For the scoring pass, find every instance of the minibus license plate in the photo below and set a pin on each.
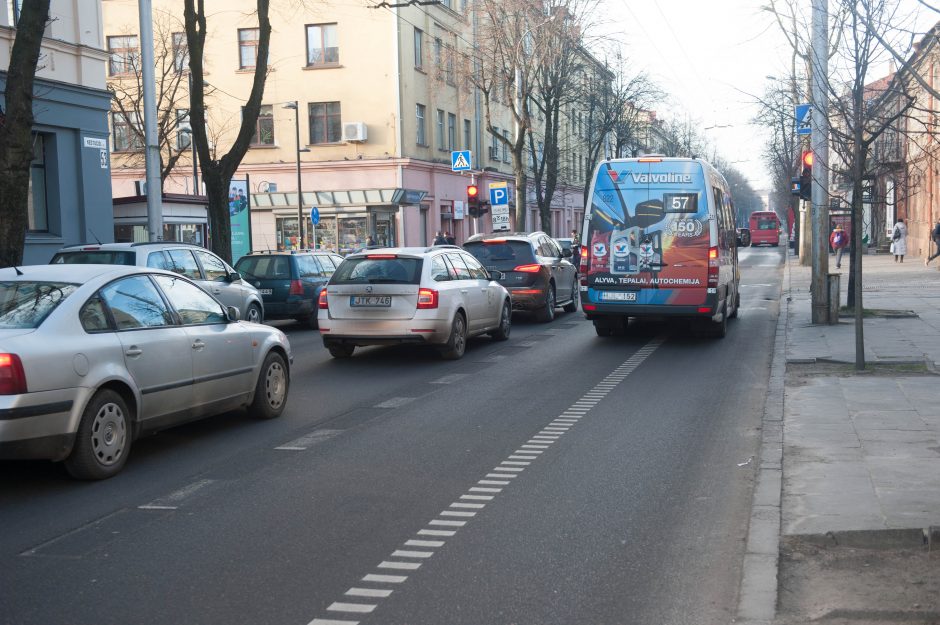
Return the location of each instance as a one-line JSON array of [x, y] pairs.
[[618, 296], [370, 301]]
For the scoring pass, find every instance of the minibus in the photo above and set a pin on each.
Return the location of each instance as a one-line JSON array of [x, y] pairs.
[[659, 240], [765, 228]]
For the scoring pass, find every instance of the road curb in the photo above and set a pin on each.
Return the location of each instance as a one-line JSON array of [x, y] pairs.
[[866, 539], [757, 599]]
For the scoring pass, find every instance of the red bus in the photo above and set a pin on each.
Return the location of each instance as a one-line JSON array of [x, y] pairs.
[[765, 228]]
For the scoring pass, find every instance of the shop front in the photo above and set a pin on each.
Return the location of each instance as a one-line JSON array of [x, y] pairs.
[[185, 218], [347, 219]]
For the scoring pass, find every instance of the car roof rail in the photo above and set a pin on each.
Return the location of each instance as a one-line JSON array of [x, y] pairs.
[[139, 243], [443, 245]]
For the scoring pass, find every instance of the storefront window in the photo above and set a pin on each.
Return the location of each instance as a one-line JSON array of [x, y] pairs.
[[325, 233], [352, 234], [288, 238]]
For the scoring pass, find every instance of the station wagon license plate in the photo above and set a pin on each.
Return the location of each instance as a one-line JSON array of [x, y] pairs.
[[618, 296], [370, 301]]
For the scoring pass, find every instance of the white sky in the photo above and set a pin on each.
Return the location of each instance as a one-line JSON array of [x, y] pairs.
[[712, 57]]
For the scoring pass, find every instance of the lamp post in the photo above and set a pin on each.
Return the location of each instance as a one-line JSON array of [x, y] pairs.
[[295, 106]]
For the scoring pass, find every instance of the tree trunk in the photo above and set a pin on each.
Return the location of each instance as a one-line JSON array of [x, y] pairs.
[[219, 216], [522, 180], [16, 141]]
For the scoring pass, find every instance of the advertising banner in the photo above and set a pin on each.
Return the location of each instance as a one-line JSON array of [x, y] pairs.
[[239, 214]]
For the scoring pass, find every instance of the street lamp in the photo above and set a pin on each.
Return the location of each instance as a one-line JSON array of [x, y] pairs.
[[295, 106]]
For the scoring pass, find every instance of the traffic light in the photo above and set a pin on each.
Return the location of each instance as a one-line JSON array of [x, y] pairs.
[[806, 176], [473, 200]]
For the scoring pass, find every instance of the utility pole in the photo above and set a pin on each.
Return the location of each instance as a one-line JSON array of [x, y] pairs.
[[819, 59], [151, 144]]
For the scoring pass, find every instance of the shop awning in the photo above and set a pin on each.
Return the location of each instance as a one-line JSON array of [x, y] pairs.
[[339, 199]]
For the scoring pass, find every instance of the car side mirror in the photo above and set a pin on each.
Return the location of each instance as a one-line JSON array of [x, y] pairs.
[[232, 313], [566, 253], [234, 276]]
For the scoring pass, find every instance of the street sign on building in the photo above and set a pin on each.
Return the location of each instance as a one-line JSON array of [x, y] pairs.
[[460, 160], [804, 115]]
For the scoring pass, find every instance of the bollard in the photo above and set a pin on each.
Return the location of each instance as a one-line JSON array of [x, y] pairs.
[[832, 284]]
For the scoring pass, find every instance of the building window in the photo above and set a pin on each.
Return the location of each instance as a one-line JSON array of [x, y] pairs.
[[322, 45], [422, 137], [506, 151], [184, 130], [450, 72], [325, 122], [180, 52], [126, 137], [247, 48], [451, 131], [36, 199], [17, 8], [419, 48], [440, 130], [467, 134], [439, 56], [494, 145], [264, 127], [125, 55]]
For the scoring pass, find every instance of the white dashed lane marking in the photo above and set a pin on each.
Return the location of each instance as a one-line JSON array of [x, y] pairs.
[[473, 500]]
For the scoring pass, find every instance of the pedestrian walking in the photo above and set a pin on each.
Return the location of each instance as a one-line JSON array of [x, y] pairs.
[[935, 235], [837, 241], [899, 240], [439, 239], [575, 250], [449, 238]]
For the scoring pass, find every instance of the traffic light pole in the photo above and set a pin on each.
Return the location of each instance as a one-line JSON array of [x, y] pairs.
[[819, 55]]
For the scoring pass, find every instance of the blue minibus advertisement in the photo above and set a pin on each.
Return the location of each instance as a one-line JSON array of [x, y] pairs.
[[649, 232]]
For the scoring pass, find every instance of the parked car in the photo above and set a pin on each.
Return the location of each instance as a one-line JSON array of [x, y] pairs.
[[193, 261], [437, 295], [535, 270], [94, 356], [744, 237], [289, 282]]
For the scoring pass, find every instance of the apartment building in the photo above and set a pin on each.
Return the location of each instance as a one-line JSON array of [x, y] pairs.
[[70, 186], [378, 99]]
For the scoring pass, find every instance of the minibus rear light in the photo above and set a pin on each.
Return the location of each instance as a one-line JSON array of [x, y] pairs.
[[704, 309], [380, 256], [589, 307], [650, 160]]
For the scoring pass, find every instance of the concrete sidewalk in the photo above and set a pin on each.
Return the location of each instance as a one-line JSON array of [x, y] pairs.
[[849, 458]]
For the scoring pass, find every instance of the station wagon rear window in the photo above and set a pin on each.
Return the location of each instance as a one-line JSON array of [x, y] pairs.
[[95, 257], [390, 270], [501, 255], [27, 304]]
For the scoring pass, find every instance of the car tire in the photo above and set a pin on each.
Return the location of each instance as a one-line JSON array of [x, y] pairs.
[[311, 321], [547, 313], [103, 440], [254, 314], [271, 388], [505, 323], [719, 329], [341, 350], [572, 306], [456, 345], [737, 306]]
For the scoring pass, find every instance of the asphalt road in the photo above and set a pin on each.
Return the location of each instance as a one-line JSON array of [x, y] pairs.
[[556, 478]]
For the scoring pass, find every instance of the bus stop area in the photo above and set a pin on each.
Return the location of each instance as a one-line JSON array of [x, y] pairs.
[[845, 524]]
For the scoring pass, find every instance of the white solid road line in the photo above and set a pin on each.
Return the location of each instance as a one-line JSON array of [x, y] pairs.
[[326, 621]]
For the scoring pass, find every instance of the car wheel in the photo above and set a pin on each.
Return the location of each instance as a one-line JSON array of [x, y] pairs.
[[505, 323], [271, 389], [737, 305], [341, 350], [719, 329], [103, 440], [572, 306], [547, 313], [457, 343], [254, 314], [311, 321]]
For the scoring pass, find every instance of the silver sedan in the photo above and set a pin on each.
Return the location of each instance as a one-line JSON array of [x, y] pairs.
[[94, 356]]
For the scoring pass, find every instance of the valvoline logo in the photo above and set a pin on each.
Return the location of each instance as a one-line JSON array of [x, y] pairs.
[[621, 248], [600, 249]]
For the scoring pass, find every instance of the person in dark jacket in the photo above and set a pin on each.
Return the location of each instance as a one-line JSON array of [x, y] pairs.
[[439, 239], [449, 238], [935, 235]]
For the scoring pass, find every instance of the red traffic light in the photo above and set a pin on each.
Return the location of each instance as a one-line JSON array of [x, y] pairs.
[[807, 158], [473, 192]]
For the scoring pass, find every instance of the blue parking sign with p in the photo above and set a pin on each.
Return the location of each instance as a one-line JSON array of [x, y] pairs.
[[499, 195]]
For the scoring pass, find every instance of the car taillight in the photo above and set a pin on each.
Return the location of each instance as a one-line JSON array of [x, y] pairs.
[[12, 376], [583, 269], [427, 298], [296, 287], [713, 267], [528, 268], [322, 303]]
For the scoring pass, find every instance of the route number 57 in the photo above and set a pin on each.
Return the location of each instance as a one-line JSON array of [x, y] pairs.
[[680, 202]]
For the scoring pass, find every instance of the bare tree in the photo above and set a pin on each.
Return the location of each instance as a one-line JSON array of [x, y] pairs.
[[783, 148], [217, 173], [16, 125]]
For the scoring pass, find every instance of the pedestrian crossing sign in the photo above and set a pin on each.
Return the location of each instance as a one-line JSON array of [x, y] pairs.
[[803, 118], [460, 160]]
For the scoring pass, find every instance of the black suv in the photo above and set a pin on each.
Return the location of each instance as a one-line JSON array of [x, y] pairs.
[[289, 282], [535, 270]]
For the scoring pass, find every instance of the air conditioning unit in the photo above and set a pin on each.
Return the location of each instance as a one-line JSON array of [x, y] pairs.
[[354, 131], [140, 187], [494, 153]]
